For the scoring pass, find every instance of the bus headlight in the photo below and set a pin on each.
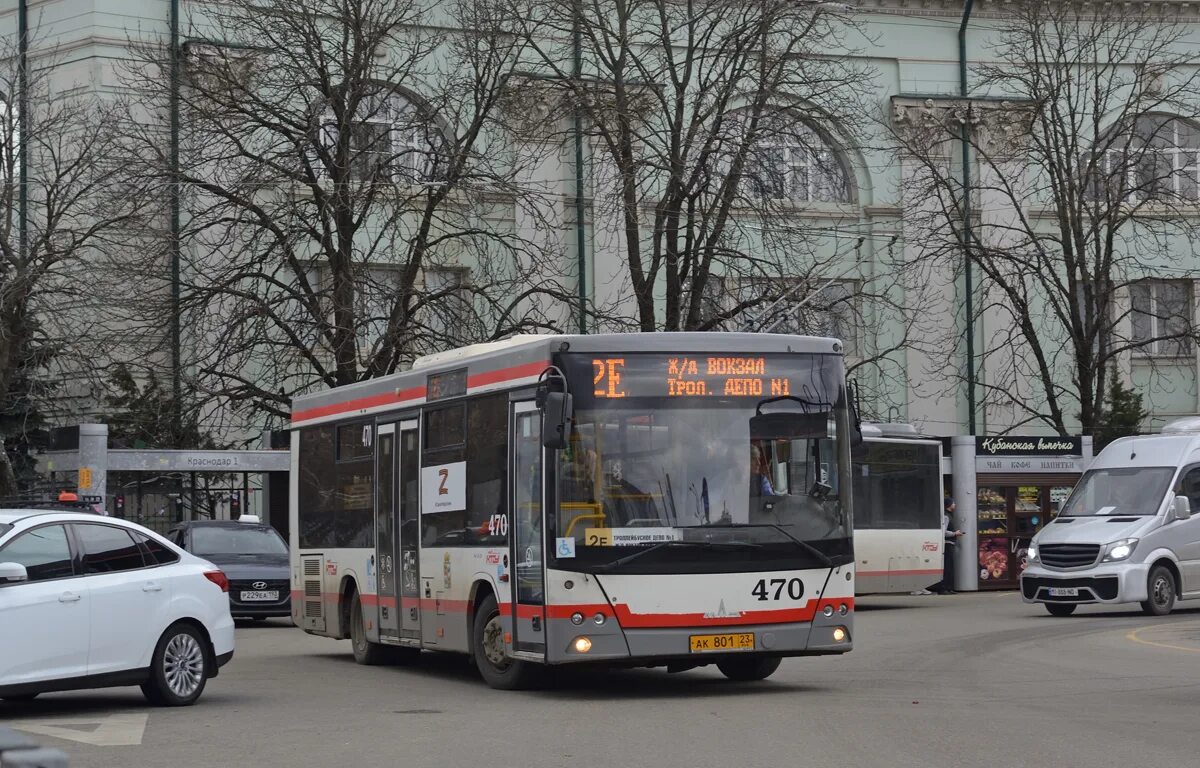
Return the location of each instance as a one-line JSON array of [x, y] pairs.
[[843, 609], [839, 634], [577, 618], [1119, 550], [828, 611], [599, 618], [582, 645]]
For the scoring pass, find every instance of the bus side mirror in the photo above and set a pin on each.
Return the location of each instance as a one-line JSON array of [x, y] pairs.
[[556, 419], [1183, 508], [856, 434]]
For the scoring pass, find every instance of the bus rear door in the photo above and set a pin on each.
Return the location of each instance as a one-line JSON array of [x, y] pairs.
[[385, 532], [409, 546]]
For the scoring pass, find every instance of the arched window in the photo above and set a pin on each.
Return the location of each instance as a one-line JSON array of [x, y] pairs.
[[797, 163], [391, 136], [1158, 158]]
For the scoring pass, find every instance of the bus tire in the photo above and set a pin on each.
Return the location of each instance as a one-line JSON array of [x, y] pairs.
[[750, 668], [1060, 609], [1161, 591], [365, 652], [491, 655]]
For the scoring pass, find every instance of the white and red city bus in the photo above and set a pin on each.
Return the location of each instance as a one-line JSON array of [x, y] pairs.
[[675, 499], [897, 510]]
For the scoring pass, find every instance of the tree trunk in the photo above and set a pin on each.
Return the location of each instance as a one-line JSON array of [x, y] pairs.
[[8, 480]]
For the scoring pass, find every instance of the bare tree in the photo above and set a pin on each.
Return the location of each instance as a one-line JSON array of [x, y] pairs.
[[1085, 186], [349, 191], [709, 125], [56, 139]]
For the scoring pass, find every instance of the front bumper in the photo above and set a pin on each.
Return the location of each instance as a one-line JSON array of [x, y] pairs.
[[651, 646], [1110, 583]]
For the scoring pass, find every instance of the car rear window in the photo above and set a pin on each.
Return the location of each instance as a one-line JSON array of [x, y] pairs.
[[107, 548], [157, 550], [227, 540]]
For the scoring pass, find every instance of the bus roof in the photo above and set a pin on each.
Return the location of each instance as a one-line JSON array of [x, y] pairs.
[[520, 360]]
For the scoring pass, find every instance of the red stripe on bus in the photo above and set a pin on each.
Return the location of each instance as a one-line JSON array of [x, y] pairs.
[[626, 618], [454, 606], [507, 374], [524, 371], [523, 611], [372, 401], [664, 620], [565, 611], [376, 600]]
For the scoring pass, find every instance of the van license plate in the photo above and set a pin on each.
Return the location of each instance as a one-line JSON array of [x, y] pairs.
[[1064, 591], [739, 641], [260, 596]]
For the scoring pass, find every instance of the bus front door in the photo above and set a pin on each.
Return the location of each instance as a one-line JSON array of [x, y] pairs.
[[409, 545], [385, 533], [526, 539]]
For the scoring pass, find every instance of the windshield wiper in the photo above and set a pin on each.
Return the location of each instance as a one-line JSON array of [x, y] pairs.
[[802, 544], [664, 544]]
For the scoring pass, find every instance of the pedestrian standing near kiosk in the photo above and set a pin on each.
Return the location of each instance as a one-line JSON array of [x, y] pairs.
[[951, 536]]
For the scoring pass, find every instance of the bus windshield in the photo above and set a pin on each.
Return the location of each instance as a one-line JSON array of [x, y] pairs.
[[654, 482]]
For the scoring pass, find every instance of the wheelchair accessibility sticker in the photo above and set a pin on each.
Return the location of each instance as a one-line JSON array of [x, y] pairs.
[[565, 546]]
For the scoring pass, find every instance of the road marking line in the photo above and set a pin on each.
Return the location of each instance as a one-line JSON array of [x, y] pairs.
[[1134, 637], [125, 730]]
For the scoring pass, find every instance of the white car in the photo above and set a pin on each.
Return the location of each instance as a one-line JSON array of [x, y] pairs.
[[92, 602]]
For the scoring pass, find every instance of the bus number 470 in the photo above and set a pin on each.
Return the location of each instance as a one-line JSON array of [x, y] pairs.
[[773, 589]]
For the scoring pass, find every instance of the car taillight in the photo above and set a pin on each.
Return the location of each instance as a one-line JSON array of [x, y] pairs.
[[218, 578]]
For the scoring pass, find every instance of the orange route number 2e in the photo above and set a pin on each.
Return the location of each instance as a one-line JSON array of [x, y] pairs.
[[607, 379]]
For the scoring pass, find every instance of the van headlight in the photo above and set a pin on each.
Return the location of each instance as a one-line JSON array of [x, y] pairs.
[[1119, 550], [1031, 553]]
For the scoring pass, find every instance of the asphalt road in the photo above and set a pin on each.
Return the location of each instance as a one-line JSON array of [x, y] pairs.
[[964, 680]]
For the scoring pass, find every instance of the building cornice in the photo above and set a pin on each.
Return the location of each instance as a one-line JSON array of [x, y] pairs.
[[1186, 9]]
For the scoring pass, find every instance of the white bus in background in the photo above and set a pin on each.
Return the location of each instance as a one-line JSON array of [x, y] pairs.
[[897, 510]]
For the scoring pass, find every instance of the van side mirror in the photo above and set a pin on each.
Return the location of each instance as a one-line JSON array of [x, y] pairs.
[[1183, 508], [556, 419], [11, 573]]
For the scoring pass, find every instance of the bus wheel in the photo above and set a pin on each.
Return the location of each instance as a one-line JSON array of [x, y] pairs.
[[365, 652], [498, 669], [1162, 592], [749, 668], [1060, 609]]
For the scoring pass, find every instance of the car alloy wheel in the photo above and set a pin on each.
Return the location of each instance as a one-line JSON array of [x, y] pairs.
[[183, 665]]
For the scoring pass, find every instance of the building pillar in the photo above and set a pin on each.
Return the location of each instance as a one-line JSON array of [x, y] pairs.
[[93, 461], [962, 460]]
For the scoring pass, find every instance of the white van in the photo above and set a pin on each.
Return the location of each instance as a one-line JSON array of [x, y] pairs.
[[1126, 534]]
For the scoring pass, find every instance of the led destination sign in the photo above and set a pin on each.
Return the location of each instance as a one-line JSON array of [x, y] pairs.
[[687, 376]]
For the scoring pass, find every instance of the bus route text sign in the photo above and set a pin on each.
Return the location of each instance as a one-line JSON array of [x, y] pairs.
[[690, 376]]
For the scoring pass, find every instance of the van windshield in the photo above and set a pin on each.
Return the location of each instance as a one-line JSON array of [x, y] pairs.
[[1123, 491]]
